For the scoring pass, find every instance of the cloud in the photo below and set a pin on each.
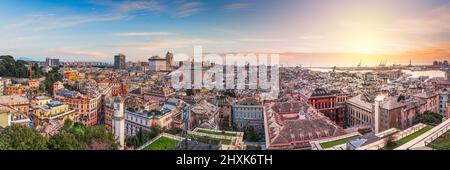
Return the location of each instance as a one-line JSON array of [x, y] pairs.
[[40, 22], [434, 21], [189, 8], [117, 11], [260, 40], [437, 50], [311, 37], [165, 44], [144, 34], [237, 6], [131, 6], [229, 32], [79, 53], [20, 38]]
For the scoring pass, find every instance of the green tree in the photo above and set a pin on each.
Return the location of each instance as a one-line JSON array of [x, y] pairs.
[[64, 141], [11, 68], [429, 118], [4, 145], [73, 136], [19, 137], [67, 125], [143, 136], [38, 73], [230, 93], [52, 77], [93, 137], [251, 135], [189, 92]]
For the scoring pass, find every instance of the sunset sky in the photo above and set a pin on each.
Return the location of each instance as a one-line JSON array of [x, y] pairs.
[[308, 32]]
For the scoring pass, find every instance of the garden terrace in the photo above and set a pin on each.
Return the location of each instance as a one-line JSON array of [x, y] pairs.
[[441, 143], [213, 132], [210, 140], [163, 143], [407, 138], [333, 143]]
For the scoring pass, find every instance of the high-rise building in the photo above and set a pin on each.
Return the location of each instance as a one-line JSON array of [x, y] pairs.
[[52, 62], [157, 63], [120, 62], [118, 125], [169, 60]]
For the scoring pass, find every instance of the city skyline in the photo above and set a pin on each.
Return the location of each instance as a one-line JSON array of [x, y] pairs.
[[317, 33]]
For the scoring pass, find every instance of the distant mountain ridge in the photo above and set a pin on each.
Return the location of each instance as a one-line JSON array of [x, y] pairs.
[[26, 59]]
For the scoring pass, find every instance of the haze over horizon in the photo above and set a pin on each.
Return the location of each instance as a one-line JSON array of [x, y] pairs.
[[307, 32]]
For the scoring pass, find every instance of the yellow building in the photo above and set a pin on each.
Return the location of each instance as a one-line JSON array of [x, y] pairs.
[[41, 100], [55, 110], [4, 118], [9, 116], [71, 74]]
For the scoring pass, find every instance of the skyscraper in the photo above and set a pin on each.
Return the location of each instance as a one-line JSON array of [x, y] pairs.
[[120, 62]]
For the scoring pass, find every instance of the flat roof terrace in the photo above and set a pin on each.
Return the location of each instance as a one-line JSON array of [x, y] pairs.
[[217, 132], [163, 143]]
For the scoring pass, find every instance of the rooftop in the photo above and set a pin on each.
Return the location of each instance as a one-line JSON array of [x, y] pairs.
[[54, 104], [12, 99], [425, 95], [42, 98], [358, 101], [285, 127], [248, 101]]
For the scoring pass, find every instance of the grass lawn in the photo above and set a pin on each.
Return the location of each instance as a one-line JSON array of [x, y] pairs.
[[215, 133], [209, 140], [163, 143], [330, 144], [443, 142], [408, 138]]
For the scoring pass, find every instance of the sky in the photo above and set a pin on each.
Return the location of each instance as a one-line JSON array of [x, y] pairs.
[[307, 32]]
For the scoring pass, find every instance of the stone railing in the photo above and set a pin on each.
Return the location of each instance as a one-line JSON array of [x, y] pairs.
[[423, 140], [436, 135], [400, 135]]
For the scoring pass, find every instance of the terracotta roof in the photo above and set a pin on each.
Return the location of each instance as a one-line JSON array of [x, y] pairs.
[[287, 130]]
